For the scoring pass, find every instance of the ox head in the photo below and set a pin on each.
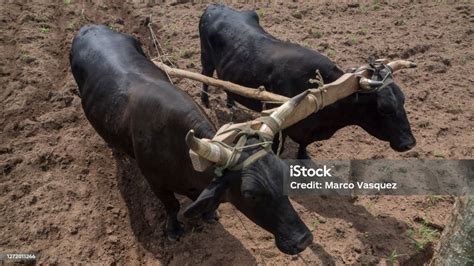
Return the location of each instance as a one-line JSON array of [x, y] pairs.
[[386, 118], [251, 178]]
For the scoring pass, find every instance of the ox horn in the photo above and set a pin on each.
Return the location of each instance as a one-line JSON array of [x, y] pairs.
[[369, 84], [207, 150], [401, 64], [283, 112]]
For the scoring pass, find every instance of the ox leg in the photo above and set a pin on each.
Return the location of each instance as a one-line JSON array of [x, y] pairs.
[[208, 217], [207, 70], [302, 153], [230, 101], [174, 229]]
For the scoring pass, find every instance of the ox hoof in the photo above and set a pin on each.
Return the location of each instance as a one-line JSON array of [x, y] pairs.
[[211, 217], [174, 232]]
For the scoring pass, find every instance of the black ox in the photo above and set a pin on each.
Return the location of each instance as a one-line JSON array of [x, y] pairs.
[[134, 107], [235, 46]]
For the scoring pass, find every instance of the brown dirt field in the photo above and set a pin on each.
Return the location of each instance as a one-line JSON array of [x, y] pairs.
[[65, 194]]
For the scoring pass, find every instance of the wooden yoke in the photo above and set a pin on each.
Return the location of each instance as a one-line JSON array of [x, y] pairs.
[[314, 101], [206, 152]]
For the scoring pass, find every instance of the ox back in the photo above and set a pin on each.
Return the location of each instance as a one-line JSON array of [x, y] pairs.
[[235, 46], [238, 48], [132, 105]]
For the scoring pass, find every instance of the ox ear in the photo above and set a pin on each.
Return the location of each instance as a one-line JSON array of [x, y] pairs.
[[209, 199], [253, 15]]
